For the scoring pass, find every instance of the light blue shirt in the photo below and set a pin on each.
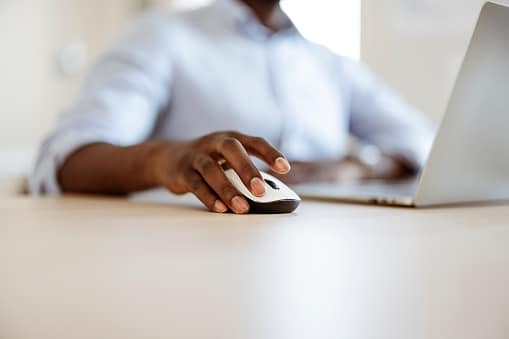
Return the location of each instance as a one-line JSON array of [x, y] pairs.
[[217, 68]]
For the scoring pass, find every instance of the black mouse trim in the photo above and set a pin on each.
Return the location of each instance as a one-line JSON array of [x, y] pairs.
[[277, 207]]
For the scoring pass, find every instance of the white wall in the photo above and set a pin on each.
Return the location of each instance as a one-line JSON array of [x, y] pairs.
[[417, 46], [335, 24], [33, 87]]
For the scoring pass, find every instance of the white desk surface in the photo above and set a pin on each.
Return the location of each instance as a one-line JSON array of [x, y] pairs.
[[107, 268]]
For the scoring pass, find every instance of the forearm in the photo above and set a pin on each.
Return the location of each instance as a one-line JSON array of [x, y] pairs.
[[106, 169]]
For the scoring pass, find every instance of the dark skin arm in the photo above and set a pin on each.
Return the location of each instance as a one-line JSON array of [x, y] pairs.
[[182, 167], [102, 168]]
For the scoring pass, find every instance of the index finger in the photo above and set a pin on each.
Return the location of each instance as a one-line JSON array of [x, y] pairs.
[[262, 149]]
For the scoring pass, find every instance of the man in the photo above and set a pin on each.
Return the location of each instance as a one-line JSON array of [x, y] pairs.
[[152, 111]]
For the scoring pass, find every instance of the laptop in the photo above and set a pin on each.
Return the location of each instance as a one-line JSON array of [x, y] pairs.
[[469, 160]]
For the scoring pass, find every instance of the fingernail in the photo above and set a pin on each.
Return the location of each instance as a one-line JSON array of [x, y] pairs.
[[282, 165], [257, 187], [220, 207], [240, 205]]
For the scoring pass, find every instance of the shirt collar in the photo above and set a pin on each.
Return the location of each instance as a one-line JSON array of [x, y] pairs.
[[240, 16]]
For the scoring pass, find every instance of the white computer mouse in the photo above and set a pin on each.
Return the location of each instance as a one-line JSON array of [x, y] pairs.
[[278, 199]]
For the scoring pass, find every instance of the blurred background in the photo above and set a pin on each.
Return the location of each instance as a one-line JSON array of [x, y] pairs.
[[48, 45]]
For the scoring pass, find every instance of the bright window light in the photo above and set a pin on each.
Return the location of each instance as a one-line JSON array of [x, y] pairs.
[[335, 24]]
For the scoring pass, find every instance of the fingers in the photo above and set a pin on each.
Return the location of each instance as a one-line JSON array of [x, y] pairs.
[[215, 178], [202, 191], [262, 149], [208, 180], [238, 158]]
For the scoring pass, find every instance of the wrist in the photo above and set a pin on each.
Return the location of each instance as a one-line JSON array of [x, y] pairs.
[[153, 164]]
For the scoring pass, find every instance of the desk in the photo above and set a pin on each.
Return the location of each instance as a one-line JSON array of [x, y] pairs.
[[108, 268]]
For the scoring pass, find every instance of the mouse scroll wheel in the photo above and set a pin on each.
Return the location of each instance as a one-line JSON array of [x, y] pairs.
[[272, 184]]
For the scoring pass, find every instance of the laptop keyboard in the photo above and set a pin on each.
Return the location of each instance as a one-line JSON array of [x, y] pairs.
[[367, 189]]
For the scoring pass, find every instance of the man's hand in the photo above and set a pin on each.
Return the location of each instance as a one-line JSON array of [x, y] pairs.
[[182, 167], [196, 167]]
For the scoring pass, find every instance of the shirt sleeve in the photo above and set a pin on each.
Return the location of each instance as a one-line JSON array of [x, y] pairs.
[[382, 118], [119, 103]]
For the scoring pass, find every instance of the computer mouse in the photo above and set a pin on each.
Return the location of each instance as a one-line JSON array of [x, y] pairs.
[[278, 199]]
